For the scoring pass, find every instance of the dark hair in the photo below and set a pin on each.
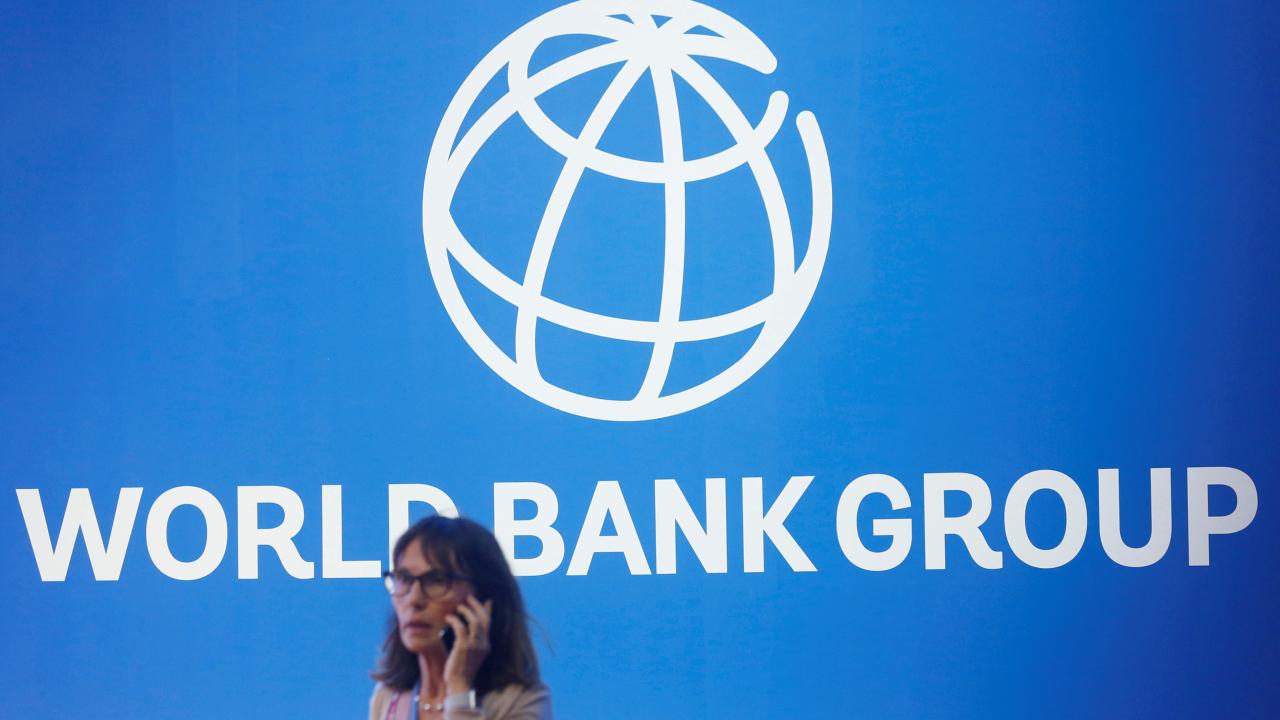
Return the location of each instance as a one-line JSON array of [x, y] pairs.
[[465, 547]]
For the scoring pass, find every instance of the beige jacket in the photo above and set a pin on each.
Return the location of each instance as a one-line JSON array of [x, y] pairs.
[[513, 702]]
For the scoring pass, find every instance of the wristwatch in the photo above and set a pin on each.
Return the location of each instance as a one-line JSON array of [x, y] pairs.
[[461, 701]]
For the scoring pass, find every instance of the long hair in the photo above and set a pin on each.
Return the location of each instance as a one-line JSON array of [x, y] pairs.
[[464, 547]]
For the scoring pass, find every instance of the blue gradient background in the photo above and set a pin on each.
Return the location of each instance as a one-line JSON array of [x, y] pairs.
[[1054, 246]]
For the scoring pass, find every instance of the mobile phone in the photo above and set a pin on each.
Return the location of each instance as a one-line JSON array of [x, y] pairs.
[[447, 635]]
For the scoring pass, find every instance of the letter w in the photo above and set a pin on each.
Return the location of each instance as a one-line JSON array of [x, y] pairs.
[[79, 518]]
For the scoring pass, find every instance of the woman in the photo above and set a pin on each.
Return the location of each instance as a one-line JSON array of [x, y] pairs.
[[459, 643]]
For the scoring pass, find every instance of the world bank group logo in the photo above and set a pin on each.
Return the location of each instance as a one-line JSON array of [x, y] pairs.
[[662, 44]]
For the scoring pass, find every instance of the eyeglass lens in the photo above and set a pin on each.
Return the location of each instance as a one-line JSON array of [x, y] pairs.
[[434, 584]]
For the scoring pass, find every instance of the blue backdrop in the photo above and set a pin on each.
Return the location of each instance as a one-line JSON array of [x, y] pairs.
[[1053, 246]]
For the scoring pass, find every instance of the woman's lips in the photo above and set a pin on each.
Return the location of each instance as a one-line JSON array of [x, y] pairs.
[[417, 627]]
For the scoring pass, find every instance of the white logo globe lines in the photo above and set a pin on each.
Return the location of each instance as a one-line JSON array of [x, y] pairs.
[[645, 39]]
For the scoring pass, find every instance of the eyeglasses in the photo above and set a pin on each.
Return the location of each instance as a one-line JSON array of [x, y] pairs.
[[435, 583]]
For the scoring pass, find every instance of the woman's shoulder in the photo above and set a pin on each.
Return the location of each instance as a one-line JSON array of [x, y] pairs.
[[380, 701], [382, 692], [519, 702]]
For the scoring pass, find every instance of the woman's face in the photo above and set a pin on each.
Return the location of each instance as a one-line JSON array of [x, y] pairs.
[[422, 619]]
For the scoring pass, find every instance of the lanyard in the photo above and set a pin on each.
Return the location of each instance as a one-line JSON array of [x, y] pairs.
[[391, 709], [395, 703]]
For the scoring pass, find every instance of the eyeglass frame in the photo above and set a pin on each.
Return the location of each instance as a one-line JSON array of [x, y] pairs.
[[389, 579]]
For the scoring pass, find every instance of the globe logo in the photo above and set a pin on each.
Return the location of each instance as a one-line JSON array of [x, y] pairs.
[[652, 41]]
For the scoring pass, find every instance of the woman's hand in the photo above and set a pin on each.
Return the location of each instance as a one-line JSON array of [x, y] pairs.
[[470, 644]]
